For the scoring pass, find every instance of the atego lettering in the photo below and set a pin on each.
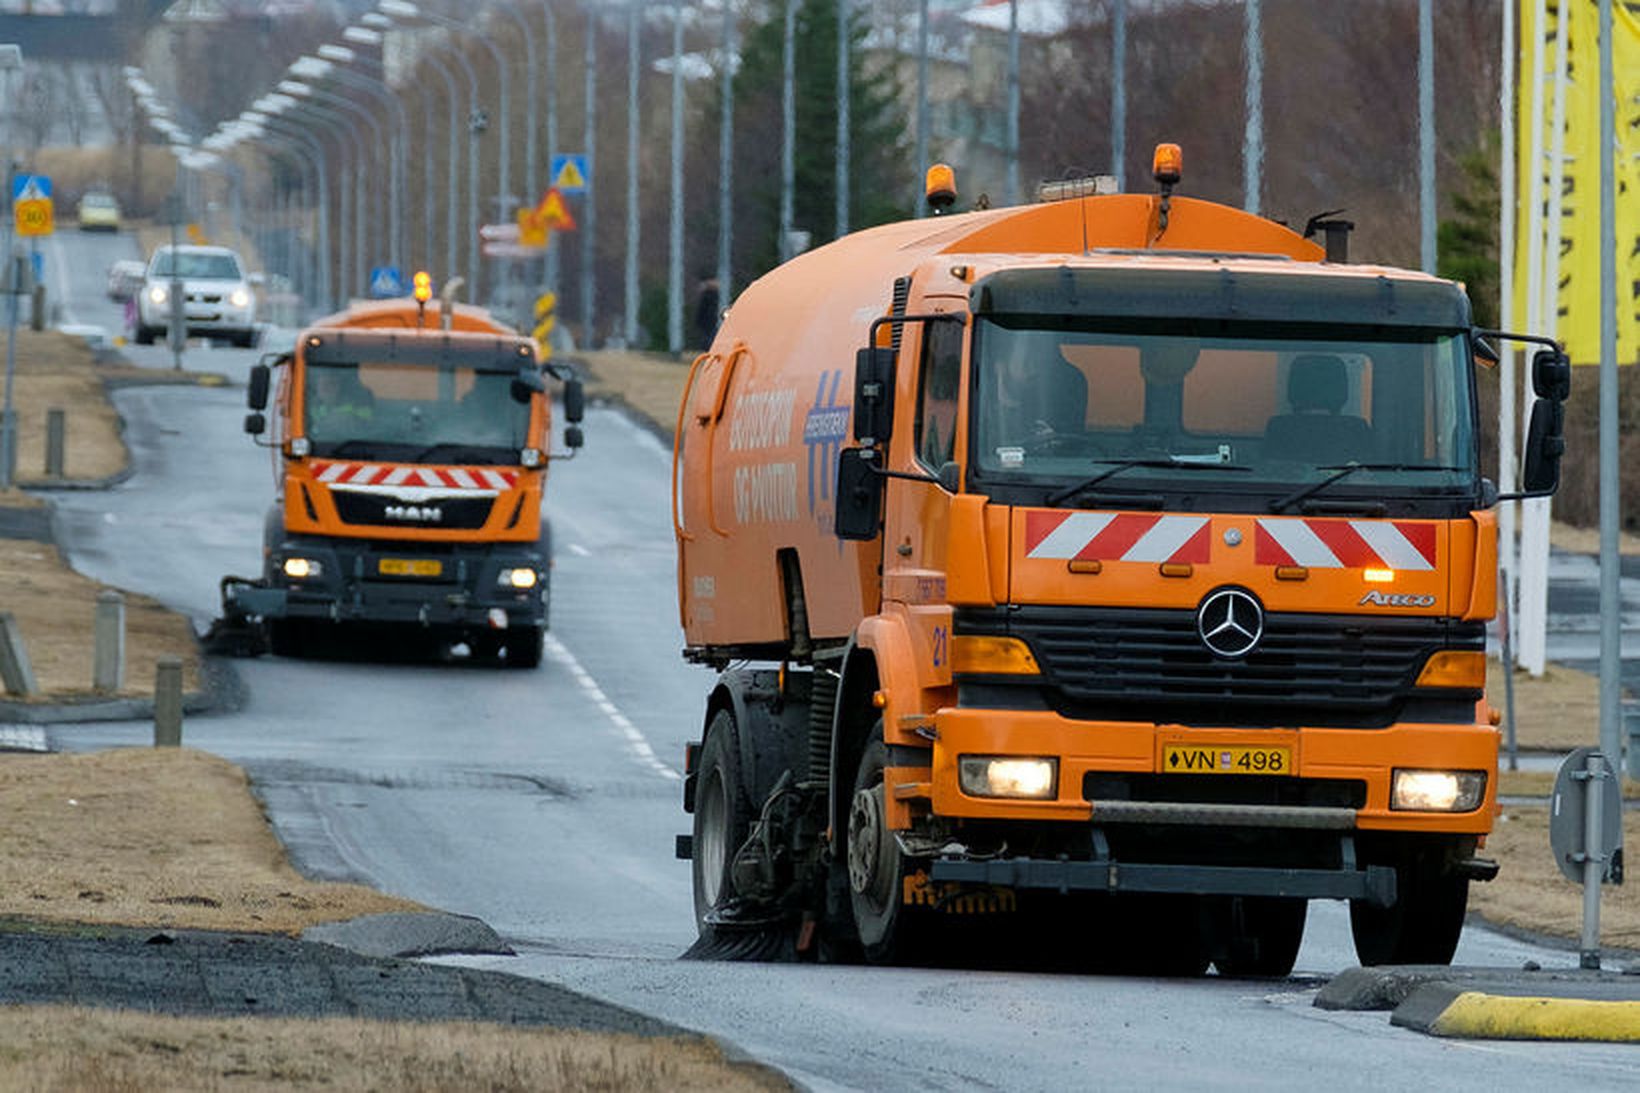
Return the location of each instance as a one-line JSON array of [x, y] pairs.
[[1397, 599]]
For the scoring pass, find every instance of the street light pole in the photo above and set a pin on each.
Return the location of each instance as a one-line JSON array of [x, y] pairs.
[[589, 230], [342, 55], [633, 59], [726, 160], [674, 265]]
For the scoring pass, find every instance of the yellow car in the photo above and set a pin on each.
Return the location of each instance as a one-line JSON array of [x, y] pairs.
[[98, 211]]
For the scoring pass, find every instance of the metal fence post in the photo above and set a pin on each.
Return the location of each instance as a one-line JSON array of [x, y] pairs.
[[168, 703], [15, 670], [108, 660], [56, 441]]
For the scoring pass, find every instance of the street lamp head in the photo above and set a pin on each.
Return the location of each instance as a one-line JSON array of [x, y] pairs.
[[376, 20], [363, 36], [283, 102], [293, 87], [310, 67], [398, 9], [339, 54]]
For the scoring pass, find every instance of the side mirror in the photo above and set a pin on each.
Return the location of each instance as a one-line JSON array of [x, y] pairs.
[[575, 400], [256, 394], [950, 477], [572, 437], [873, 395], [1545, 443], [255, 424], [859, 495], [1551, 375]]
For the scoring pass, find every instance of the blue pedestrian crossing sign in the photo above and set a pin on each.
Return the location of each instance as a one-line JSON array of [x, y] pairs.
[[386, 283], [31, 188], [569, 172]]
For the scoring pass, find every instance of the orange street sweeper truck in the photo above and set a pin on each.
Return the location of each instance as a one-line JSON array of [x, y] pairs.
[[1111, 570]]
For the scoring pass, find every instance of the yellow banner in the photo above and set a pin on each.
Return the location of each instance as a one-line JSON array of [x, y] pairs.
[[1570, 251]]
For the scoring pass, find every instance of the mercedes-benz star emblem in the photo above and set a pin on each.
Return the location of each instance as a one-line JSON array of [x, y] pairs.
[[1230, 622]]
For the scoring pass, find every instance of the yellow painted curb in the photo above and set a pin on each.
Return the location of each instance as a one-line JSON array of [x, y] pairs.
[[1502, 1017]]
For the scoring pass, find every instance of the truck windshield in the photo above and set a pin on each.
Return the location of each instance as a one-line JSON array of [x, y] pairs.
[[202, 267], [1198, 412], [414, 412]]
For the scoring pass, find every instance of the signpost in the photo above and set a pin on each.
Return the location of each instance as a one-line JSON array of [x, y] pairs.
[[32, 216], [1586, 835], [569, 172]]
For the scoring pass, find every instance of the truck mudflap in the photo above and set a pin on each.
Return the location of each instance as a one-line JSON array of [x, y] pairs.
[[1101, 873]]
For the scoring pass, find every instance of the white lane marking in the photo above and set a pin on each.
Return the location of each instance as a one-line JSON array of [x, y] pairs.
[[579, 551], [625, 729]]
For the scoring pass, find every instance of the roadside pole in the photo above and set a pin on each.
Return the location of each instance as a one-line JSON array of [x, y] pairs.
[[177, 329]]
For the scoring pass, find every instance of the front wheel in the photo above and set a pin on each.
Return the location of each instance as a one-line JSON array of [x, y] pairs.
[[524, 646], [1422, 926], [1259, 936], [877, 869]]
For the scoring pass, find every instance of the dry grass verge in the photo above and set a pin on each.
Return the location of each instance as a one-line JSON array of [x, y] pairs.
[[161, 837], [96, 1051], [1531, 894], [53, 606]]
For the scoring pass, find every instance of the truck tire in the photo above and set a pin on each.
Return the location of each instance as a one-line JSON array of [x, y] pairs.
[[143, 335], [1422, 925], [524, 646], [890, 932], [1259, 936], [723, 818], [288, 637]]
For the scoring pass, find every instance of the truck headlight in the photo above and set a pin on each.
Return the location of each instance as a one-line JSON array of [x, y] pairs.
[[158, 294], [521, 578], [1437, 790], [999, 776], [239, 298], [302, 569]]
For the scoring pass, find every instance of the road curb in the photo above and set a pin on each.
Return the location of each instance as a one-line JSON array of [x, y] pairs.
[[1446, 1010], [221, 691], [406, 934], [1388, 987]]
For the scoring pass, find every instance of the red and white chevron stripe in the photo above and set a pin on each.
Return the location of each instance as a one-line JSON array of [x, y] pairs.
[[1116, 537], [1346, 544], [485, 479]]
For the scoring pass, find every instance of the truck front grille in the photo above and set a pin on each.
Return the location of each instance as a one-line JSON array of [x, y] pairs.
[[1150, 664], [381, 510]]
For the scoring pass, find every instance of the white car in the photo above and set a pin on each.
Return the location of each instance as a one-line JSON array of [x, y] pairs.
[[217, 297]]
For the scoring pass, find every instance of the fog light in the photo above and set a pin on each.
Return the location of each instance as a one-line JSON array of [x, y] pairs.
[[1437, 790], [303, 568], [995, 776], [517, 578]]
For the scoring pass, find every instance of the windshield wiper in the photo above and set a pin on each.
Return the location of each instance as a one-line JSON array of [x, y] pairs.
[[473, 453], [1344, 470], [1171, 462], [359, 449]]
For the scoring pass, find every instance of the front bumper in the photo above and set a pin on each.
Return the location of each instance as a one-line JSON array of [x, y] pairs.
[[353, 588], [1093, 756]]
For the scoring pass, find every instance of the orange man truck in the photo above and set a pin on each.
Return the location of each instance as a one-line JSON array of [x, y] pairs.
[[1119, 562], [410, 449]]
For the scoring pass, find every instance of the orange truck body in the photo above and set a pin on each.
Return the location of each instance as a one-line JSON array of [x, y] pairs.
[[995, 613], [419, 504]]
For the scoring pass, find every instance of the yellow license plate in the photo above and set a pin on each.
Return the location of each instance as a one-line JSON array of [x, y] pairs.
[[1226, 759], [410, 567]]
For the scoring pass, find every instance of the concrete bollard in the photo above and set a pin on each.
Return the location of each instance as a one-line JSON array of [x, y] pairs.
[[168, 703], [15, 670], [108, 651], [56, 441]]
